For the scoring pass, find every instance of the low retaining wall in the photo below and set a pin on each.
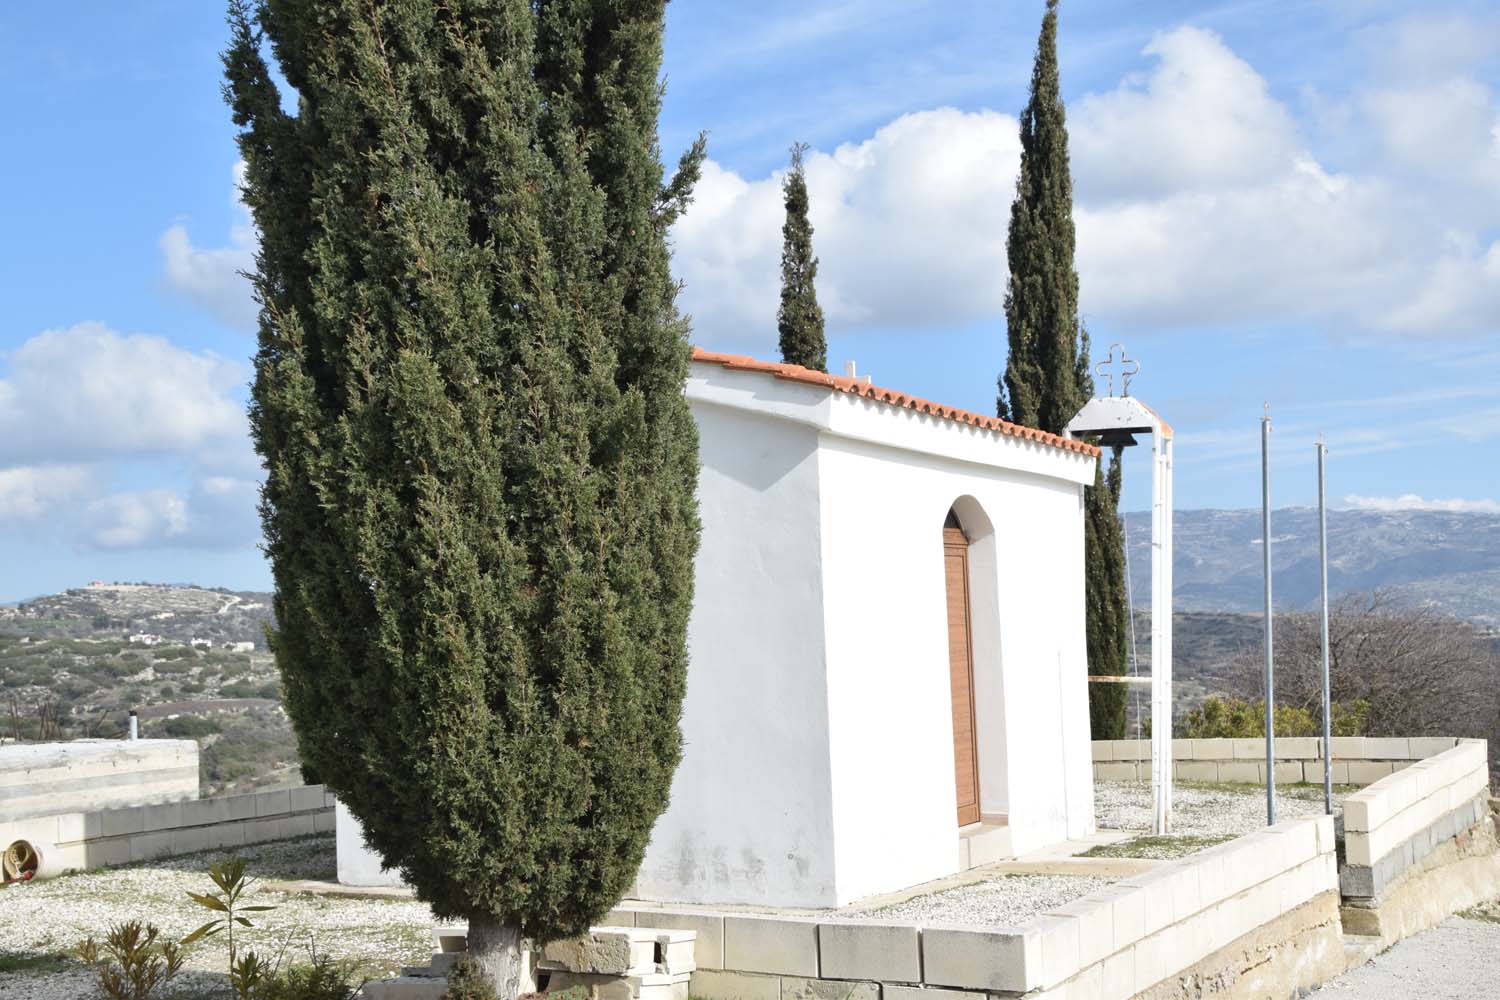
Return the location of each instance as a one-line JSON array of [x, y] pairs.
[[142, 833], [1357, 760], [1399, 820], [1133, 936], [49, 779]]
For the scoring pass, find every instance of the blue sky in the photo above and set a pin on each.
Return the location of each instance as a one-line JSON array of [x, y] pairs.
[[1284, 200]]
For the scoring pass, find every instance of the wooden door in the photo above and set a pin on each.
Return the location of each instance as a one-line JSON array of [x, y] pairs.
[[961, 675]]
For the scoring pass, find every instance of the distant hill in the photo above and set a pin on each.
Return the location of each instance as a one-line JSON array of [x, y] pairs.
[[176, 613], [1448, 560]]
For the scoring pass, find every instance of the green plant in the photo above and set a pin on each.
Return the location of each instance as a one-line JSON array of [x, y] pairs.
[[133, 962], [321, 979], [466, 982], [247, 971]]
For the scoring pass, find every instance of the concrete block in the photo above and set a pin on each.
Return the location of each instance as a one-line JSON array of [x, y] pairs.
[[1151, 962], [1197, 770], [1131, 749], [973, 959], [1115, 772], [1216, 750], [794, 988], [1127, 914], [711, 984], [605, 951], [1387, 748], [298, 825], [1118, 973], [1288, 772], [1212, 884], [1186, 891], [189, 840], [1102, 750], [306, 798], [1298, 748], [772, 945], [273, 803], [167, 816], [226, 835], [240, 806], [1250, 749], [886, 952], [324, 821], [206, 811], [892, 992], [93, 825], [1349, 748], [1367, 772], [1060, 947], [1240, 772], [1096, 927], [1430, 746], [70, 829], [674, 950], [406, 988], [708, 952], [1182, 749], [259, 831], [109, 851], [122, 822], [146, 846], [1341, 774]]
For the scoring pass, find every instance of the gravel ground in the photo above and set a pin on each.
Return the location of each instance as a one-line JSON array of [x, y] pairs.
[[54, 916], [1004, 901], [1457, 960], [1205, 810]]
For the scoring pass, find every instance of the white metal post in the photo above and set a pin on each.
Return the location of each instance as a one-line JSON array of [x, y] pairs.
[[1161, 637], [1323, 629]]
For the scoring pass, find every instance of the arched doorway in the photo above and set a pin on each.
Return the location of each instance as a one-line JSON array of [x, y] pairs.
[[961, 670]]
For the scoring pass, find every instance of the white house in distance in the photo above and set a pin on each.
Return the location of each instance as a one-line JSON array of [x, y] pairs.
[[887, 681]]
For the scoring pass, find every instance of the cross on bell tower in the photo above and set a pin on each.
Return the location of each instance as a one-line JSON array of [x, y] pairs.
[[1127, 368]]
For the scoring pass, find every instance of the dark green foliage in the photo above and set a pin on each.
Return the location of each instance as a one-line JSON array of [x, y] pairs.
[[800, 318], [466, 982], [1047, 378], [320, 979], [479, 505], [189, 727], [1225, 718]]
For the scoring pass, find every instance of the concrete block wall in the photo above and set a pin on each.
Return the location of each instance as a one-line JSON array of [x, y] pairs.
[[1116, 942], [145, 832], [1357, 760], [1397, 821], [49, 779]]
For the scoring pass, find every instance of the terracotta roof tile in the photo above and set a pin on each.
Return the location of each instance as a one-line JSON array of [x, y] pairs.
[[858, 387]]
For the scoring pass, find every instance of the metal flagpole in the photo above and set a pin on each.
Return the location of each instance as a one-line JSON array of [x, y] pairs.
[[1265, 527], [1323, 626]]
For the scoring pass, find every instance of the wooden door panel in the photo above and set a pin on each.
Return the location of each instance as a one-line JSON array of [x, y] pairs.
[[961, 676]]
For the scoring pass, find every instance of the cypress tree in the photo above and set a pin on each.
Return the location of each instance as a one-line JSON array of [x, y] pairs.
[[479, 502], [1047, 379], [800, 318]]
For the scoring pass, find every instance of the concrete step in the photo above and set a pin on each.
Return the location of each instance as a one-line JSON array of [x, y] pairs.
[[1359, 949], [406, 988], [983, 844], [442, 963]]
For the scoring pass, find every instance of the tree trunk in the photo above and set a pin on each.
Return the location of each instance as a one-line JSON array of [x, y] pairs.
[[496, 951]]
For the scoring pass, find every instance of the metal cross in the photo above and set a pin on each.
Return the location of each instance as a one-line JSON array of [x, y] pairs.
[[1128, 367]]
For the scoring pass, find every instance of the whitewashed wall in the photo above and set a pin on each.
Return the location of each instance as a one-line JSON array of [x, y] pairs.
[[751, 815]]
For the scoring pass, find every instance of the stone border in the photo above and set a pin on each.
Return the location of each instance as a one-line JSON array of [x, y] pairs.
[[1357, 760], [1117, 942], [142, 833], [1399, 820]]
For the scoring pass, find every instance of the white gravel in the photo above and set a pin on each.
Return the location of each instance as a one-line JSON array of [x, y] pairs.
[[54, 916], [1203, 810], [1003, 901], [1456, 960]]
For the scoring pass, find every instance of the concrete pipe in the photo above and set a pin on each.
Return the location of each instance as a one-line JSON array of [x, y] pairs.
[[29, 860]]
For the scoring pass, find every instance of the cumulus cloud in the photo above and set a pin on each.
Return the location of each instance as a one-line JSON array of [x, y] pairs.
[[910, 230], [28, 492], [1198, 201], [211, 277], [1411, 501], [88, 392], [218, 512]]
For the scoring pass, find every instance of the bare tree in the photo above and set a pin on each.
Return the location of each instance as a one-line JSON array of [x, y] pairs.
[[1421, 672]]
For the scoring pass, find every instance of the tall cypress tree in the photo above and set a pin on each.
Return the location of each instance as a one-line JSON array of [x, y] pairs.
[[480, 466], [800, 318], [1047, 379]]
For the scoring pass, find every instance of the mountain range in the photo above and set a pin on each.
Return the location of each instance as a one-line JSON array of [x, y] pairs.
[[1446, 559]]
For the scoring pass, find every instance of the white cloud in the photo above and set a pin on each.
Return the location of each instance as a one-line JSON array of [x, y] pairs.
[[910, 230], [1411, 501], [1197, 202], [134, 520], [211, 277], [87, 392], [28, 492]]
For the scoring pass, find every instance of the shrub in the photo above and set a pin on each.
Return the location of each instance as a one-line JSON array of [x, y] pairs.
[[132, 964], [190, 727], [467, 982], [321, 979]]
